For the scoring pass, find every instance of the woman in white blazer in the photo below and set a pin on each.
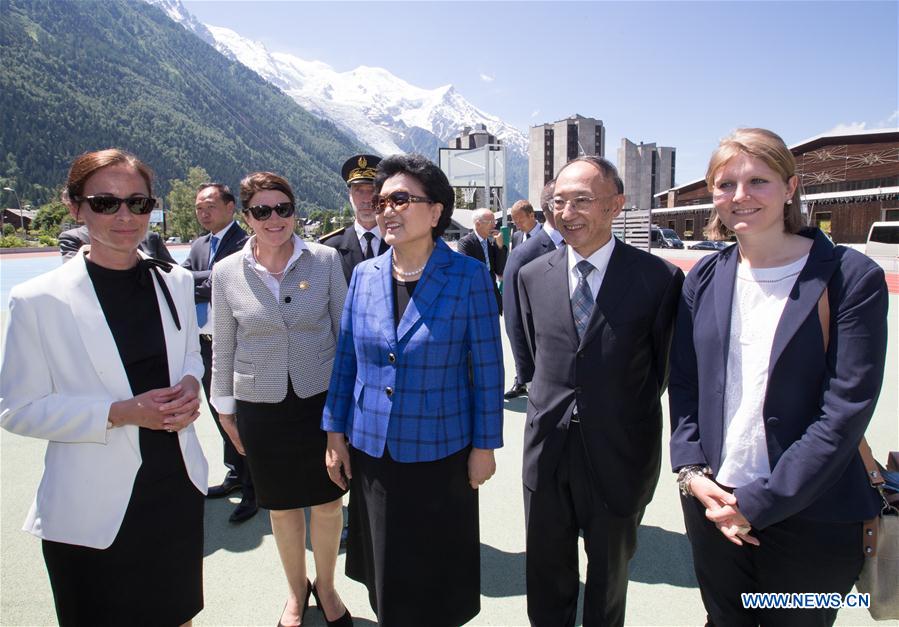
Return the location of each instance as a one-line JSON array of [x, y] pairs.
[[276, 309], [102, 359]]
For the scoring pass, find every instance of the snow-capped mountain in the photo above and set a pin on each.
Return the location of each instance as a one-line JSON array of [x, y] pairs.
[[378, 108]]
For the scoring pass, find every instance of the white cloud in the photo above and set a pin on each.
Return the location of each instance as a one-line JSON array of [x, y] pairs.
[[487, 78], [535, 113], [850, 127]]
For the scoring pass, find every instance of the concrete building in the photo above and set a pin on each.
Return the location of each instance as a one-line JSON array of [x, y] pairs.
[[849, 181], [552, 145], [646, 169]]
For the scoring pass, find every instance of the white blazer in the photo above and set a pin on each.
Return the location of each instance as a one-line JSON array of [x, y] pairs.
[[59, 375]]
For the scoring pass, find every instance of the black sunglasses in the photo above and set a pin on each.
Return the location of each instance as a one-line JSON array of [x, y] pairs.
[[108, 205], [398, 201], [262, 212]]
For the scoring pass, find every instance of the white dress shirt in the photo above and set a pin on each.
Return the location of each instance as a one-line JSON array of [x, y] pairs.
[[206, 329], [600, 262], [376, 240], [554, 235]]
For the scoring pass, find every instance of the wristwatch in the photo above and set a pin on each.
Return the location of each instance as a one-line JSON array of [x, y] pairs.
[[686, 474]]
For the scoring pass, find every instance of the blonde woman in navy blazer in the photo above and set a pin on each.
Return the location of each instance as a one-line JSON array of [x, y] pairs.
[[102, 360], [417, 390], [791, 523]]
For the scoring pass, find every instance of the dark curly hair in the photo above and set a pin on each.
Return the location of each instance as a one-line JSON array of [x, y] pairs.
[[431, 177]]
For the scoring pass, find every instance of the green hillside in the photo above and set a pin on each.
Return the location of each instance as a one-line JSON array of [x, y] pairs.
[[79, 75]]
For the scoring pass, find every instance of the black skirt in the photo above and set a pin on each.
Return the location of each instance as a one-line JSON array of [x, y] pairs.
[[152, 573], [285, 448], [414, 539]]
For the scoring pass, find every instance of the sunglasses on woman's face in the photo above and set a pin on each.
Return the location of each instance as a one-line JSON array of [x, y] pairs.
[[262, 212], [108, 205], [398, 201]]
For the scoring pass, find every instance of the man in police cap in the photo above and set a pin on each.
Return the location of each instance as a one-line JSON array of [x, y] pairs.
[[363, 239]]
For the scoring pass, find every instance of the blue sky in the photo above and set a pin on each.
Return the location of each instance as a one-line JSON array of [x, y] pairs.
[[680, 74]]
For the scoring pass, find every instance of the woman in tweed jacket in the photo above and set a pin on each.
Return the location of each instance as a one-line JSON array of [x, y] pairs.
[[276, 310]]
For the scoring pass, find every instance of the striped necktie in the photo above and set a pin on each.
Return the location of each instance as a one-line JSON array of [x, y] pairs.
[[582, 300]]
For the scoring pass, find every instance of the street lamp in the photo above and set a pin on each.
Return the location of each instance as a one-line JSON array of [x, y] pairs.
[[19, 205]]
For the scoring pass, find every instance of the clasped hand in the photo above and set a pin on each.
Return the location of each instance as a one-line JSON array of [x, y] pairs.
[[171, 408], [721, 508]]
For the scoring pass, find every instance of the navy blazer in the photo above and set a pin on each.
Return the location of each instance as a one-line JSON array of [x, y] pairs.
[[816, 407], [430, 386], [536, 246], [200, 265]]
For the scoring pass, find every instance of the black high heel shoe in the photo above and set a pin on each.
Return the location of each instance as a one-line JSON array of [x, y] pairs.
[[344, 621], [309, 592]]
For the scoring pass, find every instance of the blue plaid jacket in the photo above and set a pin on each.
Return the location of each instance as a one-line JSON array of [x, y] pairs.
[[432, 385]]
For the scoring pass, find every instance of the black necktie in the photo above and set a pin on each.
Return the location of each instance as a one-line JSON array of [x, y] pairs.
[[369, 236]]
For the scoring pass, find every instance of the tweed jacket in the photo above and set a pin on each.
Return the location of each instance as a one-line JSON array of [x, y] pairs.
[[61, 372], [430, 386], [817, 405], [258, 341]]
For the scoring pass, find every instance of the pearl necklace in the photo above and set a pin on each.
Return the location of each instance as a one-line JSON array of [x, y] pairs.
[[406, 274]]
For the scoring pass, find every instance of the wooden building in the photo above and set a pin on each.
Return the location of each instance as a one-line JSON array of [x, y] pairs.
[[848, 182]]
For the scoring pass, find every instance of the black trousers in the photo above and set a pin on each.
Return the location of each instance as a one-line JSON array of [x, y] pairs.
[[234, 461], [794, 556], [554, 515]]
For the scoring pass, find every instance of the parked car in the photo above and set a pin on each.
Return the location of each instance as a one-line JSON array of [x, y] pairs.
[[883, 245], [664, 238], [709, 245], [173, 240]]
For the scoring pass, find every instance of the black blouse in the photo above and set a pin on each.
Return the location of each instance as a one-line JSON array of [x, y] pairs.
[[402, 294], [128, 300]]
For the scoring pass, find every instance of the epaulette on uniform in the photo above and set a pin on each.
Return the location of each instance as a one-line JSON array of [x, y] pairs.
[[324, 238]]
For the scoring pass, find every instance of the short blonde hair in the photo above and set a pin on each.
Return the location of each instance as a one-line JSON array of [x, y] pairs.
[[762, 144]]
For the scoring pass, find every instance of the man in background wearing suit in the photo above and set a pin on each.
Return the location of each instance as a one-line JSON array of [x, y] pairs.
[[215, 213], [592, 445], [543, 240], [71, 241], [363, 240], [525, 222], [484, 245]]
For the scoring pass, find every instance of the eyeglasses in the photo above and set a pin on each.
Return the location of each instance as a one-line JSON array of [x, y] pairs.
[[262, 212], [579, 203], [108, 205], [398, 201]]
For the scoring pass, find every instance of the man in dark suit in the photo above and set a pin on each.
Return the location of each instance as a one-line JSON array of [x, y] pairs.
[[525, 221], [592, 447], [544, 240], [215, 212], [363, 239], [484, 245], [71, 241]]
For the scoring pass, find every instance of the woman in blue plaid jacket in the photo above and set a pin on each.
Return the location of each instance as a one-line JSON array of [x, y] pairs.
[[414, 407]]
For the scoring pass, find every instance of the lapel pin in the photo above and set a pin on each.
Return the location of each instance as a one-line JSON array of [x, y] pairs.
[[304, 285]]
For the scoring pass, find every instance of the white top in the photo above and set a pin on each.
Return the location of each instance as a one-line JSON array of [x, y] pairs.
[[599, 260], [376, 240], [206, 329], [760, 295], [272, 281]]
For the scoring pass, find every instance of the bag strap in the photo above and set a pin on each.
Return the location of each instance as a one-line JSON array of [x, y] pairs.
[[869, 527]]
